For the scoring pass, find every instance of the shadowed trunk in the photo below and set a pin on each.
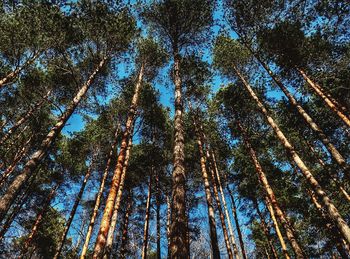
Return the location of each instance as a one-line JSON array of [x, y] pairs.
[[147, 217], [37, 156], [158, 196], [123, 247]]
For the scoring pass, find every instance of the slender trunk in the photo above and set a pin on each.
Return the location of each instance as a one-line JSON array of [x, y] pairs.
[[234, 212], [12, 75], [158, 215], [179, 245], [147, 216], [327, 98], [18, 157], [24, 118], [99, 195], [325, 200], [37, 156], [123, 247], [108, 211], [211, 212], [266, 230], [113, 224], [223, 199], [38, 220], [168, 223], [323, 164], [312, 124], [73, 211]]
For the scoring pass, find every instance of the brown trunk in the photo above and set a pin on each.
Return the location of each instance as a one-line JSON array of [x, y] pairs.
[[179, 246], [211, 212], [271, 197], [158, 214], [312, 124], [223, 199], [24, 118], [234, 212], [330, 101], [168, 223], [99, 195], [325, 200], [123, 247], [73, 211], [265, 230], [113, 224], [39, 217], [37, 156], [147, 216], [108, 211], [15, 73], [18, 157]]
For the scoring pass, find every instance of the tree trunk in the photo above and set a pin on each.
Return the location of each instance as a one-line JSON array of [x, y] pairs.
[[15, 73], [158, 215], [38, 220], [123, 247], [37, 156], [312, 124], [211, 212], [325, 200], [327, 98], [179, 245], [108, 211], [271, 197], [113, 224], [18, 157], [223, 199], [234, 212], [147, 216], [24, 118], [99, 195], [265, 230], [168, 223], [73, 211]]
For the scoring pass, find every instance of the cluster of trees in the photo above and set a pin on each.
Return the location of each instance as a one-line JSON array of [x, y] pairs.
[[250, 159]]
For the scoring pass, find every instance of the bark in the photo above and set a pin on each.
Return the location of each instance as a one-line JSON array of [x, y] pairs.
[[38, 220], [223, 199], [211, 212], [168, 224], [123, 247], [108, 211], [158, 215], [316, 187], [312, 124], [37, 156], [234, 212], [146, 225], [24, 118], [12, 75], [73, 211], [327, 98], [179, 245], [272, 198], [266, 230], [18, 157], [99, 195], [110, 236]]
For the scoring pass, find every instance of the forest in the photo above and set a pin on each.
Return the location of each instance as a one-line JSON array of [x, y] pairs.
[[174, 129]]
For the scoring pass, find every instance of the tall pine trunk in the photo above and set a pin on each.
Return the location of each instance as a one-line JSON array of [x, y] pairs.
[[266, 230], [158, 197], [316, 187], [168, 223], [37, 156], [234, 212], [179, 245], [38, 220], [108, 211], [123, 247], [337, 108], [12, 75], [147, 218], [110, 236], [73, 211], [309, 121], [211, 212], [99, 195]]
